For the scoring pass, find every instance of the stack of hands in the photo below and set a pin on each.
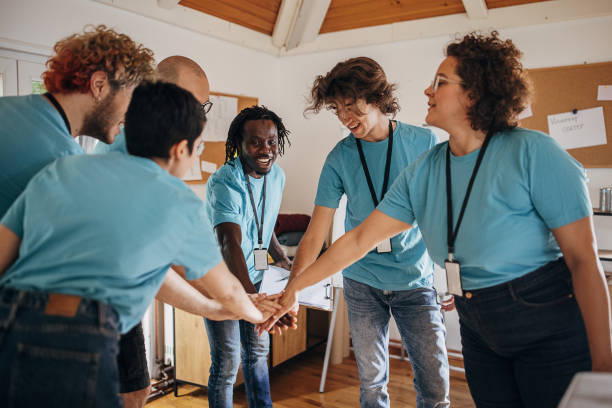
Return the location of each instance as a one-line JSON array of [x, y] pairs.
[[279, 311]]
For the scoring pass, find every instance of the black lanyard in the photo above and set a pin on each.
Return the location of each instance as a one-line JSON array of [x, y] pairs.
[[364, 165], [449, 200], [59, 108], [263, 209]]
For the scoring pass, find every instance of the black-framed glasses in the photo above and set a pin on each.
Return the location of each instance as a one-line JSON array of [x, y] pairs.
[[206, 106]]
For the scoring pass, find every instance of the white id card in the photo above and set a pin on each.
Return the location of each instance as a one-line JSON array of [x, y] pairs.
[[261, 259], [384, 246], [453, 278]]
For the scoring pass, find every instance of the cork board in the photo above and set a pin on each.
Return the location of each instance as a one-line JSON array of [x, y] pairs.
[[214, 152], [563, 89]]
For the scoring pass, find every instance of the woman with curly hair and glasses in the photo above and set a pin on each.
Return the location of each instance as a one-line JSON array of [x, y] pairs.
[[506, 210]]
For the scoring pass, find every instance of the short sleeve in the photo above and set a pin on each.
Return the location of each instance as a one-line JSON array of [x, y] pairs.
[[225, 201], [13, 218], [330, 189], [397, 203], [557, 183], [199, 252]]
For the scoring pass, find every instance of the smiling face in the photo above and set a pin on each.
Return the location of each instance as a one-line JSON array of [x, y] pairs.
[[259, 148], [360, 118], [449, 103]]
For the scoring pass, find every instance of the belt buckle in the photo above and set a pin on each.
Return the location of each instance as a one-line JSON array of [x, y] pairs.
[[60, 304]]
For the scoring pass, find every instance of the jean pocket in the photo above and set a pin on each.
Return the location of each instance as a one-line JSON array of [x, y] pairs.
[[48, 377], [546, 294]]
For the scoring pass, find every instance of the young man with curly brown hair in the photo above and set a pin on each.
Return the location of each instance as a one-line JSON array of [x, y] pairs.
[[396, 278]]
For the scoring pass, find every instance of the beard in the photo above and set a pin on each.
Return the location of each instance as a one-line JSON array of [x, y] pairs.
[[99, 122]]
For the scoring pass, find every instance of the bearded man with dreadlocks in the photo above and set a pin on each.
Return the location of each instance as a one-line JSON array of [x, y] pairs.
[[242, 201]]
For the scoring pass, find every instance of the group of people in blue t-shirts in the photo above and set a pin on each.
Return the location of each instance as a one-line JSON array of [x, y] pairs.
[[87, 241]]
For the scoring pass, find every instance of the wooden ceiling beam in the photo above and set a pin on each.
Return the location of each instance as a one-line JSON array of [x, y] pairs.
[[285, 22], [475, 9], [308, 23]]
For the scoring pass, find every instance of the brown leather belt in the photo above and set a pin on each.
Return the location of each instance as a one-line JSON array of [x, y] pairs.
[[60, 304]]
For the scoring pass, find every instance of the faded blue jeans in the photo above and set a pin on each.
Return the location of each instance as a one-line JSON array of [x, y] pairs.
[[230, 342], [423, 333], [523, 340], [56, 361]]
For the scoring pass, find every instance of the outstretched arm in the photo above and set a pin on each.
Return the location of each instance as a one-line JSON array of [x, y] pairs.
[[177, 292], [351, 247], [577, 242]]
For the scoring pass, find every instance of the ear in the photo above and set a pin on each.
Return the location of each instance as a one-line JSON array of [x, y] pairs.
[[179, 150], [99, 85]]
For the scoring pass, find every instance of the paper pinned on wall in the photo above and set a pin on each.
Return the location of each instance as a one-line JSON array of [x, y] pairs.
[[208, 167], [220, 117], [604, 93], [581, 129], [526, 113], [194, 172]]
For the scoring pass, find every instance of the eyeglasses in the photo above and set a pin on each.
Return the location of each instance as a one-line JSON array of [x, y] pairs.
[[441, 80], [206, 106], [200, 148]]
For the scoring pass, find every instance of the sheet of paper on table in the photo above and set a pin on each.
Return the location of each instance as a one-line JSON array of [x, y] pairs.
[[318, 295]]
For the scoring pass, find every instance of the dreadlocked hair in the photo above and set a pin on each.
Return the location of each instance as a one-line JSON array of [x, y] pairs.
[[236, 129]]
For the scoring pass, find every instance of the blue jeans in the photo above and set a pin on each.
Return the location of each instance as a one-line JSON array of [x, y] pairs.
[[523, 340], [49, 360], [230, 342], [420, 324]]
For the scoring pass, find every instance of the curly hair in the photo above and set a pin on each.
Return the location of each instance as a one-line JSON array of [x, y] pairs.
[[99, 48], [494, 78], [355, 78], [236, 129]]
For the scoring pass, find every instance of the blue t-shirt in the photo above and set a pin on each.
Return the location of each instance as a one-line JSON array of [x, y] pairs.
[[107, 227], [227, 200], [526, 186], [118, 145], [32, 135], [408, 266]]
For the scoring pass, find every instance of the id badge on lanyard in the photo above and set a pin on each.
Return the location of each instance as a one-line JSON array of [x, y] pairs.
[[260, 254], [261, 259], [453, 277], [384, 246]]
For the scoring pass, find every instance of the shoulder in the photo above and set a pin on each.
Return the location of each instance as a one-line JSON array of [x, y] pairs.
[[416, 135], [341, 148], [526, 141]]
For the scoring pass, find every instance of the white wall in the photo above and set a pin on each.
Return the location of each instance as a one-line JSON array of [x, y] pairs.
[[230, 68]]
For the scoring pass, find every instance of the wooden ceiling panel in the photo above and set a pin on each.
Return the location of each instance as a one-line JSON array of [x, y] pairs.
[[491, 4], [258, 15], [350, 14]]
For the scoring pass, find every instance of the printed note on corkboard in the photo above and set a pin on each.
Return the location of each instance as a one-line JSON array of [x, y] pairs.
[[563, 89]]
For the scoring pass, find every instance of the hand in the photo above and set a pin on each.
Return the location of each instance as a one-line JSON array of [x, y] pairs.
[[288, 302], [267, 305], [284, 263], [448, 304]]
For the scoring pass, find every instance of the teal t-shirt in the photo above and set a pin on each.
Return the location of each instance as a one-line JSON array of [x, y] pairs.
[[107, 227], [118, 145], [227, 200], [408, 266], [526, 186], [32, 135]]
